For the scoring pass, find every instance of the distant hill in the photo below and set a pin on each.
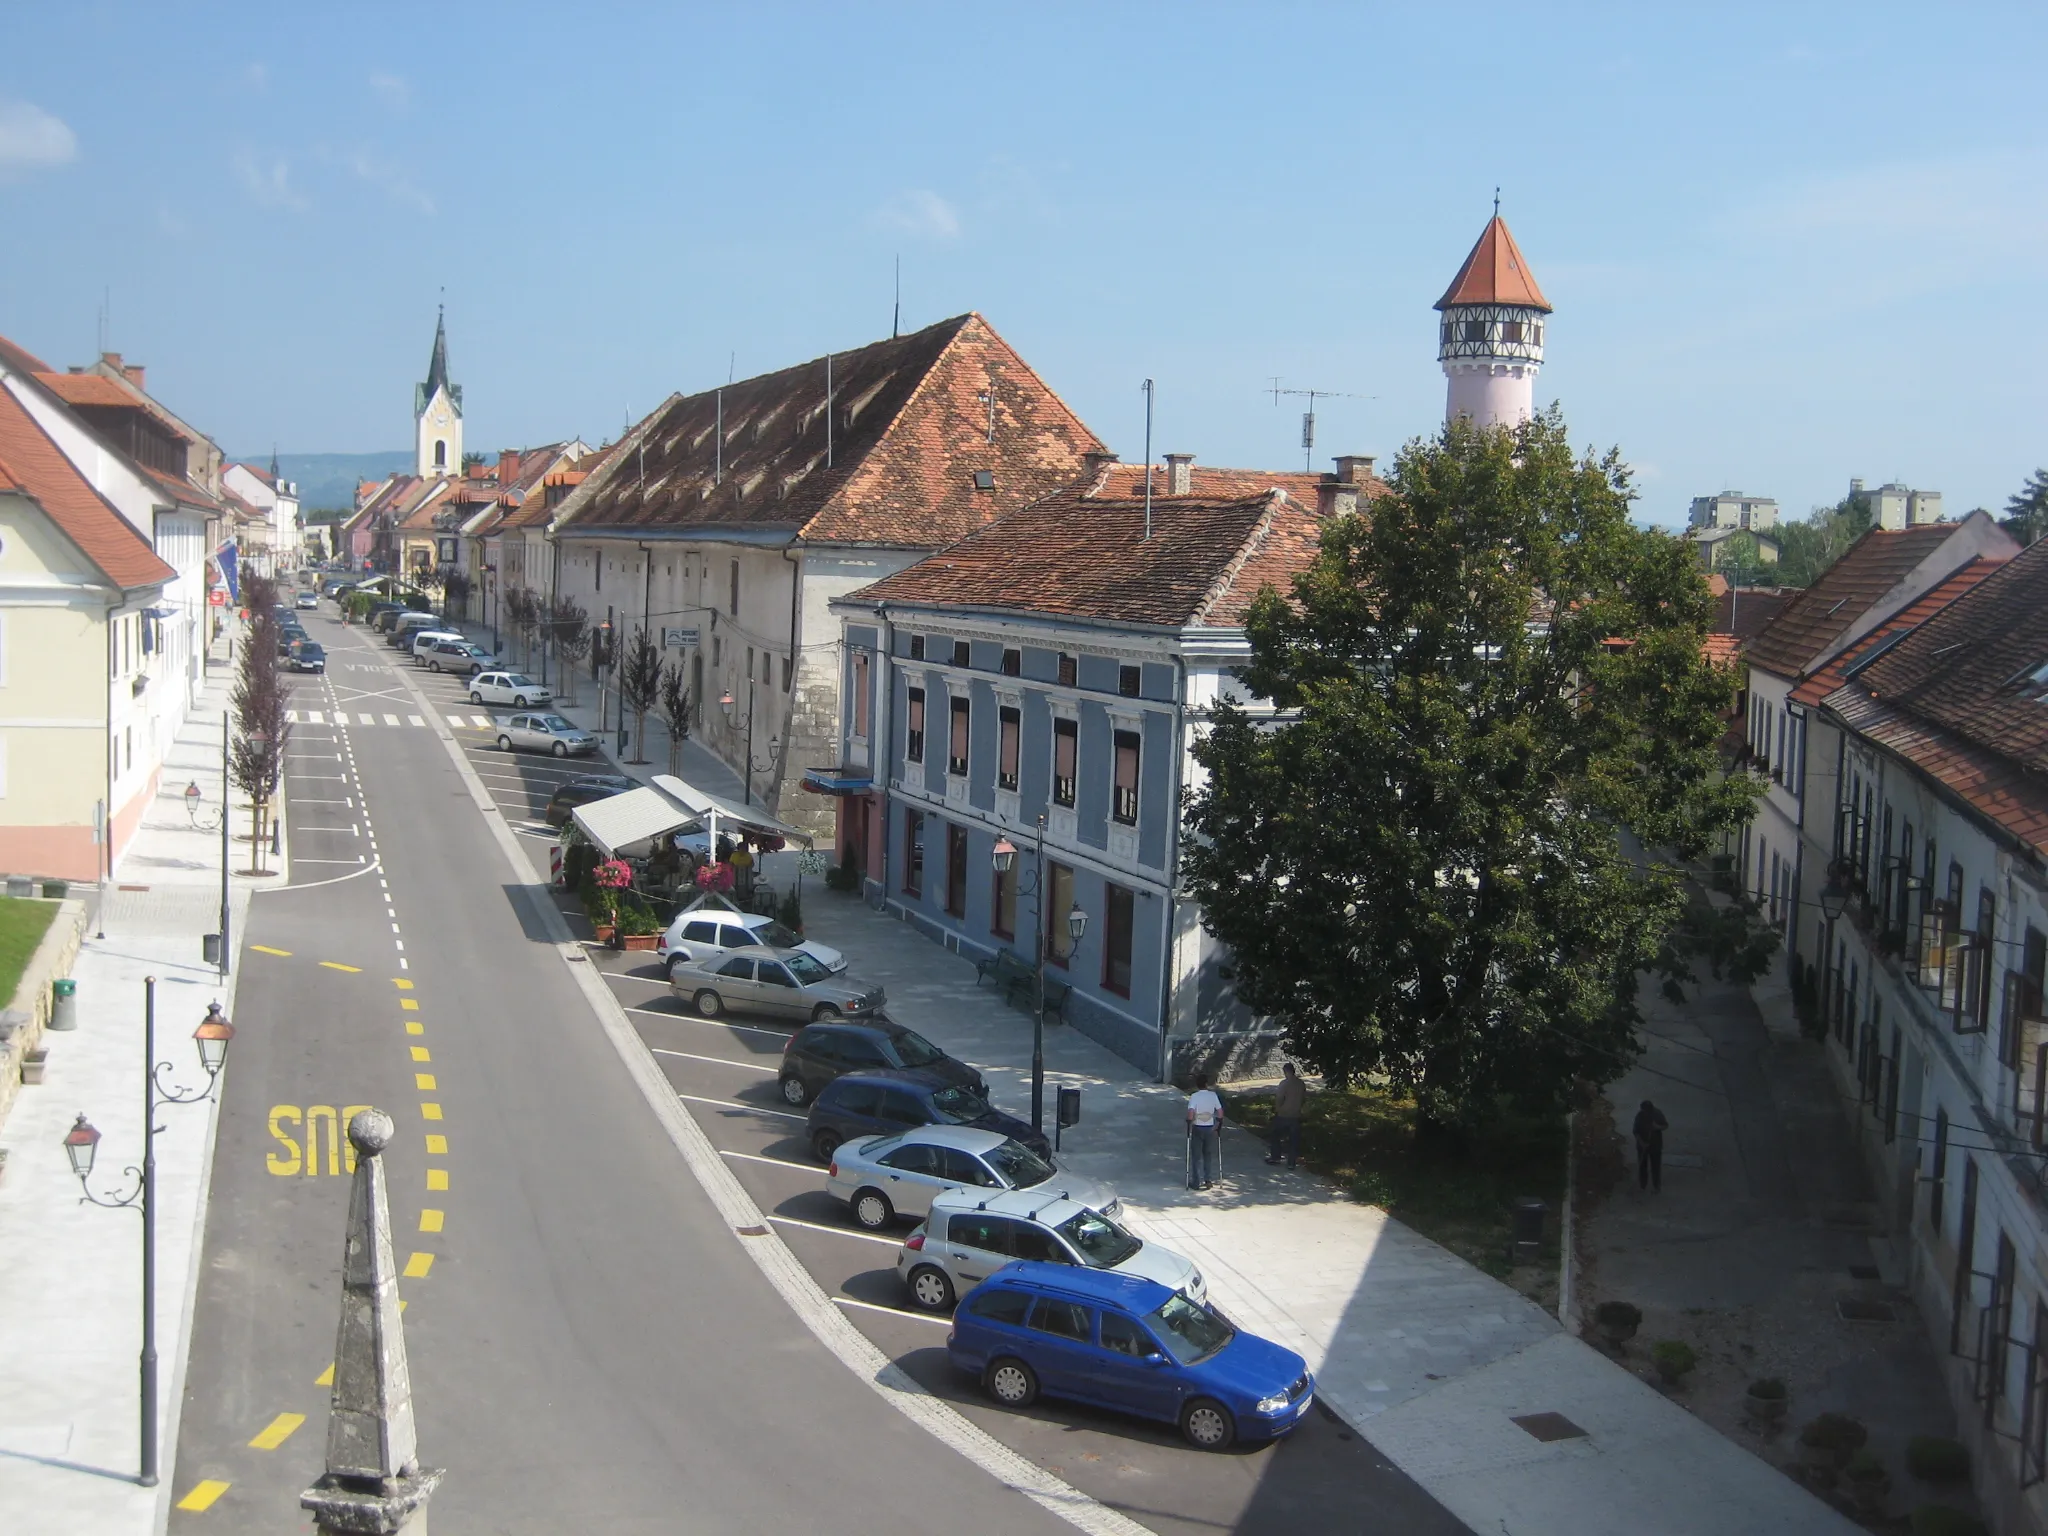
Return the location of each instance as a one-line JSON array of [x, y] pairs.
[[329, 479]]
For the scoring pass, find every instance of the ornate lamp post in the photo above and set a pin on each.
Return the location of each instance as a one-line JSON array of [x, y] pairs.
[[81, 1145], [1005, 860], [727, 703]]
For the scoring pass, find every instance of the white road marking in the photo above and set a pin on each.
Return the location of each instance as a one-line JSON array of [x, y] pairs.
[[749, 1109], [780, 1162], [313, 717], [819, 1226], [915, 1317], [414, 720], [698, 1018], [351, 831], [391, 719], [720, 1061]]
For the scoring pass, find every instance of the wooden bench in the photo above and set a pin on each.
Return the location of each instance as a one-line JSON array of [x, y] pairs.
[[1017, 980]]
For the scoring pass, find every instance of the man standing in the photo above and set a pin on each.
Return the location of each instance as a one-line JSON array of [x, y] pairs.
[[1205, 1126], [1649, 1128], [1287, 1105]]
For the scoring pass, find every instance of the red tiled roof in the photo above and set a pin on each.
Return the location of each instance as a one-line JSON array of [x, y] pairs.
[[87, 389], [1721, 650], [1830, 676], [1819, 615], [1302, 486], [37, 467], [1078, 555], [1745, 612], [1495, 273], [910, 429], [19, 360]]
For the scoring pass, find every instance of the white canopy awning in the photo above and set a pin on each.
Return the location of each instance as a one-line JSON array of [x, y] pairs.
[[708, 806], [618, 821]]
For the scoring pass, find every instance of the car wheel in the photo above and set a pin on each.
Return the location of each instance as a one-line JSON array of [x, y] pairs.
[[931, 1288], [519, 701], [794, 1092], [475, 697], [561, 749], [709, 1003], [824, 1144], [823, 1012], [871, 1208], [1011, 1382], [1207, 1424], [504, 743], [434, 666]]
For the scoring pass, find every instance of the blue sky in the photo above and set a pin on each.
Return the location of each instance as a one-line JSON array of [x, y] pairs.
[[1787, 244]]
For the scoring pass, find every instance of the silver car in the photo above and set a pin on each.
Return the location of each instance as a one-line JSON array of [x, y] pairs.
[[544, 733], [883, 1177], [781, 981], [514, 688], [971, 1234], [703, 933]]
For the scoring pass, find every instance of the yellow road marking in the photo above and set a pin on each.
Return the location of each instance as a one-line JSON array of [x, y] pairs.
[[336, 965], [430, 1221], [437, 1178], [417, 1266], [401, 983], [423, 1081], [430, 1111], [421, 1053], [265, 949], [415, 1027], [410, 1003], [437, 1146], [203, 1494], [277, 1431], [326, 1377]]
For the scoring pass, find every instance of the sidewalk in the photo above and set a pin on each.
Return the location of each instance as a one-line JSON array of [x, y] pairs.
[[70, 1289], [1429, 1358]]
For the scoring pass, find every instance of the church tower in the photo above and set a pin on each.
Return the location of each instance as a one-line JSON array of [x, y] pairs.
[[437, 414], [1491, 340]]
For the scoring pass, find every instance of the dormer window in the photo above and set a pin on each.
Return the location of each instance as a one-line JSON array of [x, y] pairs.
[[984, 480]]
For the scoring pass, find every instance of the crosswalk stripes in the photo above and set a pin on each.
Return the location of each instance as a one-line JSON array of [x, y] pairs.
[[342, 717]]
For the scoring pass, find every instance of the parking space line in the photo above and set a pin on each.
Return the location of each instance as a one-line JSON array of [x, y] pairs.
[[277, 1431], [203, 1495], [698, 1018], [718, 1061], [780, 1162], [917, 1317], [819, 1226], [265, 949], [418, 1266], [336, 965], [391, 719], [750, 1109]]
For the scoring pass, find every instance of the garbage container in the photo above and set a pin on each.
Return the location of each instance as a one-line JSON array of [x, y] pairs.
[[1529, 1214], [64, 1003], [21, 885], [1067, 1112]]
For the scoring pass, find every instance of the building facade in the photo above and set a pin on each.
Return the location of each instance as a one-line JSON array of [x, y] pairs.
[[1490, 339], [437, 414]]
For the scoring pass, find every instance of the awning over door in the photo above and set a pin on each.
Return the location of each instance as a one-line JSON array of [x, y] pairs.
[[619, 821]]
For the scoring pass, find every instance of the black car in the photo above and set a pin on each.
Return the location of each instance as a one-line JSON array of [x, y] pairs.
[[881, 1103], [583, 792], [309, 656], [818, 1053]]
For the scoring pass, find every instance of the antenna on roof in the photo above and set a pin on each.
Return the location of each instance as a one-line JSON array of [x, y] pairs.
[[1496, 202], [896, 315], [1148, 460], [1308, 418], [828, 410]]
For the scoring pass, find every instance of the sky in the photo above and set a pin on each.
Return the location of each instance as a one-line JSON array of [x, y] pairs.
[[1787, 244]]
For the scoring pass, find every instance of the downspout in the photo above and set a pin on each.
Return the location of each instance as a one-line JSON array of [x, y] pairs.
[[1180, 747], [882, 740], [107, 757], [796, 572]]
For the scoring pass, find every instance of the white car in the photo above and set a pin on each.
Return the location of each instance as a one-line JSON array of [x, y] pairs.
[[514, 688], [883, 1177], [544, 733], [421, 641], [708, 933], [972, 1233]]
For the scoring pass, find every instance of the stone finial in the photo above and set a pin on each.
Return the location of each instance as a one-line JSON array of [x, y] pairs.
[[374, 1484]]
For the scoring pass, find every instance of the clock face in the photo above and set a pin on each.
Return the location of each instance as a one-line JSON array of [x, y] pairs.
[[440, 418]]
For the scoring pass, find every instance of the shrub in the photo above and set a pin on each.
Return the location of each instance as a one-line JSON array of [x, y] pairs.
[[1674, 1359], [1618, 1314], [1835, 1432], [578, 860], [1935, 1460], [636, 916], [1940, 1520], [1866, 1466], [845, 875], [1769, 1388]]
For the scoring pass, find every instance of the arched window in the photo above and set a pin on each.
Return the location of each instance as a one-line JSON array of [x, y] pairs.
[[440, 453]]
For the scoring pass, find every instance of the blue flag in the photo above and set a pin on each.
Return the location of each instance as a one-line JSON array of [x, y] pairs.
[[225, 556]]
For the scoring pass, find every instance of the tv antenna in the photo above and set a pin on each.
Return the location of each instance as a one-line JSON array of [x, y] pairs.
[[1308, 417]]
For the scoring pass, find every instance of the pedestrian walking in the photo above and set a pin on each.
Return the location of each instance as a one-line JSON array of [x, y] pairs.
[[1649, 1128], [1205, 1129], [1287, 1105]]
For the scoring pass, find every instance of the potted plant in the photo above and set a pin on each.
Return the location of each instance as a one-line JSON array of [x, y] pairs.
[[1765, 1400], [1869, 1483], [1933, 1459], [1831, 1439], [601, 900], [1618, 1321], [33, 1064], [637, 926], [1674, 1359]]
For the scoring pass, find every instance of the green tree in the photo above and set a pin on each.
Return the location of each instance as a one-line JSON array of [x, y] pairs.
[[639, 684], [675, 711], [1809, 547], [1422, 861], [2026, 513]]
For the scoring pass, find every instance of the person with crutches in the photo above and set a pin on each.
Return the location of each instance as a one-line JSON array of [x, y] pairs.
[[1205, 1134]]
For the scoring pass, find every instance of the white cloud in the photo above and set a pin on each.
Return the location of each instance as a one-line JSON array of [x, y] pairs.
[[387, 178], [918, 212], [267, 180], [392, 90], [32, 140]]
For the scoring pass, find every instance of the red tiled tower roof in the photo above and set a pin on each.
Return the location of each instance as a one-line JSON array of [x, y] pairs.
[[1495, 273]]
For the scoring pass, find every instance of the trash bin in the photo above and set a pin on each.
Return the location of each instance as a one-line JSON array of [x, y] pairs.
[[1067, 1111], [1529, 1214], [64, 1003], [21, 886]]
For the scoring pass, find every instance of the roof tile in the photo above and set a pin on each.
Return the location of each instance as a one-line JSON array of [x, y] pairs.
[[38, 467]]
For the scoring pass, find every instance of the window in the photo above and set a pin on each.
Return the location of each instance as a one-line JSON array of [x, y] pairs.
[[1511, 330], [750, 663], [1069, 671], [984, 480], [440, 453], [1125, 806], [732, 601], [989, 1234], [1065, 749], [739, 968], [917, 647], [860, 694], [915, 1158], [913, 853], [718, 651], [1966, 1257], [1008, 726], [1938, 1171], [913, 736], [1122, 1336], [956, 870], [785, 674], [1035, 1243], [1002, 920], [1013, 662], [1065, 1319], [963, 654], [1059, 942], [956, 747], [1977, 962], [1475, 330], [1120, 903], [1128, 681], [1000, 1306]]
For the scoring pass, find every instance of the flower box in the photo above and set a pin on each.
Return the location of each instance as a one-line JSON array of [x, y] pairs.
[[639, 940]]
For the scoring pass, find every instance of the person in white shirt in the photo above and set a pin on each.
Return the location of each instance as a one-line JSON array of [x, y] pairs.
[[1205, 1127]]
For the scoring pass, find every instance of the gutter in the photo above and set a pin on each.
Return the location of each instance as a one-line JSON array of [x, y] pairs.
[[882, 740], [1180, 712], [796, 581]]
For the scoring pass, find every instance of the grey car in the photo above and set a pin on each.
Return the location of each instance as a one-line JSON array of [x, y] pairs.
[[779, 981], [544, 733], [883, 1177]]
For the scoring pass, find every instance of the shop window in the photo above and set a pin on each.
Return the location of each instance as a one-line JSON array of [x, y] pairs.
[[1059, 939], [913, 853], [956, 870]]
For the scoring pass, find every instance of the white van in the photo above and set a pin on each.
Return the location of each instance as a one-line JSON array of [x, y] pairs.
[[406, 625], [420, 641]]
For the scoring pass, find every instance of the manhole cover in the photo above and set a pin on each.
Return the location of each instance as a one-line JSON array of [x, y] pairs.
[[1549, 1426], [1858, 1310]]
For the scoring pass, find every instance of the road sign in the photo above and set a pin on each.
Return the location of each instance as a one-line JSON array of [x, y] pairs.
[[218, 597], [678, 639]]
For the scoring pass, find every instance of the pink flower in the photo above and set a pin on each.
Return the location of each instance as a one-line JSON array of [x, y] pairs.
[[612, 875]]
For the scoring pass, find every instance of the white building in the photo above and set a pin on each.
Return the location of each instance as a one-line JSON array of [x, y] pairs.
[[277, 499], [1897, 506], [1490, 340]]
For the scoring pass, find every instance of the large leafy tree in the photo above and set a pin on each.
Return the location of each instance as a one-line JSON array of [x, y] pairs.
[[2026, 510], [1488, 696]]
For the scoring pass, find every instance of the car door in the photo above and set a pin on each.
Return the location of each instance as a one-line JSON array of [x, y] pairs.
[[517, 729], [1129, 1370], [901, 1109], [700, 939], [778, 991], [1063, 1336], [736, 984], [733, 936], [977, 1245], [964, 1170], [910, 1177], [851, 1110]]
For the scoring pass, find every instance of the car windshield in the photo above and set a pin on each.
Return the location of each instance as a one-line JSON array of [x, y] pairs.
[[1019, 1165], [1101, 1243], [773, 933], [960, 1103], [553, 723], [804, 968], [916, 1051], [310, 649], [1190, 1329], [518, 680]]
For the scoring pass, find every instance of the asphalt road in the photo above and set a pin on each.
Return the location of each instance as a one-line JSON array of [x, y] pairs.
[[589, 1343]]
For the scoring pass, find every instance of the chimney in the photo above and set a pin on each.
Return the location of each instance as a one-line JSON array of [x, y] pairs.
[[1180, 474], [134, 372], [508, 466], [1093, 463], [1354, 468]]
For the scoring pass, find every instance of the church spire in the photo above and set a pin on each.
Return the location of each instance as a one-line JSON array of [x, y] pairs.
[[437, 366], [437, 411]]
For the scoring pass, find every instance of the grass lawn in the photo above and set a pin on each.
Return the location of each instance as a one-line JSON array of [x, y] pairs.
[[1364, 1139], [22, 926]]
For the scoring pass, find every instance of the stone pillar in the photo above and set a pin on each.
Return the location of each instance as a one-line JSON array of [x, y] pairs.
[[374, 1485]]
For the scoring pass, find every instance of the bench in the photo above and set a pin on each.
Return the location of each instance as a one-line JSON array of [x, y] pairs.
[[1017, 981]]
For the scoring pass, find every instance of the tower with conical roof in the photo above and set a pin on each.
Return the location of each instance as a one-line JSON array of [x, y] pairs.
[[1491, 339], [437, 413]]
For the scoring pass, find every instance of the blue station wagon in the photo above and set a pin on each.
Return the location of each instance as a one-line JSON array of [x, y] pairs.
[[1122, 1342]]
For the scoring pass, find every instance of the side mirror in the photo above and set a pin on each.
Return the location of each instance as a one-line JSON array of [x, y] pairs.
[[1155, 1358]]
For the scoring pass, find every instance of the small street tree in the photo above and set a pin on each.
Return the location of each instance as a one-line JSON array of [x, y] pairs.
[[256, 759], [639, 684], [456, 587], [522, 617], [568, 630], [675, 712], [1486, 686]]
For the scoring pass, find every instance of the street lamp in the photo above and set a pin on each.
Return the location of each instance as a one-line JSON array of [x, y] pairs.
[[727, 703], [1005, 860], [81, 1146]]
